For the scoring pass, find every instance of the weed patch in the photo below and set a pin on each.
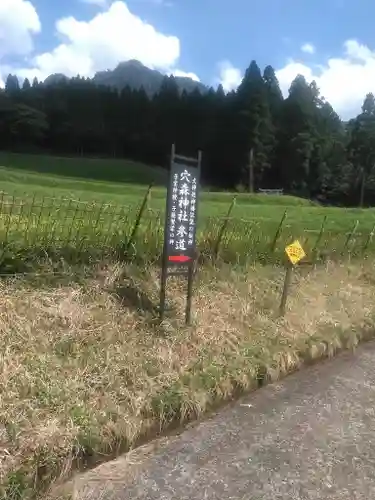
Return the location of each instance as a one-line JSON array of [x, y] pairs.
[[86, 376]]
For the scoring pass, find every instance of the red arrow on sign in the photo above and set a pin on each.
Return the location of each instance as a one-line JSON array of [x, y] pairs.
[[179, 258]]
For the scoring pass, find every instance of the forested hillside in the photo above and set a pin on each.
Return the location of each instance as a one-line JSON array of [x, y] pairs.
[[298, 143]]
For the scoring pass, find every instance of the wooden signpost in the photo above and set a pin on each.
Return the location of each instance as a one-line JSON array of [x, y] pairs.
[[179, 251], [295, 253]]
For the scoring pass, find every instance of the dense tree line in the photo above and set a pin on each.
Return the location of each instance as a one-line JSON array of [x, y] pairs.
[[251, 138]]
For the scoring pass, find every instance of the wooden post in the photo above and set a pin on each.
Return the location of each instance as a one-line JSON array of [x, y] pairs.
[[362, 192], [194, 263], [139, 217], [164, 269], [287, 280], [369, 238], [251, 171], [223, 228], [278, 232], [318, 240], [351, 234], [189, 295], [295, 253]]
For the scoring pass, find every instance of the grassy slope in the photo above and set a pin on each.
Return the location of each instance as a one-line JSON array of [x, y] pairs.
[[64, 342], [122, 184], [254, 224], [116, 181], [109, 170], [84, 373]]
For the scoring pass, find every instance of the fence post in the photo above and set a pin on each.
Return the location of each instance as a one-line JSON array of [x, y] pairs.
[[319, 238], [139, 217], [2, 202], [278, 231], [369, 239], [37, 232], [30, 216], [223, 228], [75, 214], [286, 286], [351, 234], [9, 220]]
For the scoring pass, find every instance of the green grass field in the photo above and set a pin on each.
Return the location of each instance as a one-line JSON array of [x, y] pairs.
[[84, 204], [112, 181], [88, 373], [108, 170]]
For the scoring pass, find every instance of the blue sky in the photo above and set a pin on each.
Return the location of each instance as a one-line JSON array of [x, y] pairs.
[[331, 41]]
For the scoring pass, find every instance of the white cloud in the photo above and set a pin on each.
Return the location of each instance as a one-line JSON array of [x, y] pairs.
[[308, 48], [111, 36], [193, 76], [229, 76], [343, 81], [19, 21]]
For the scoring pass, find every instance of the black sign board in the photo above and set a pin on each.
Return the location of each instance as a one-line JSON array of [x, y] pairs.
[[182, 216], [179, 253]]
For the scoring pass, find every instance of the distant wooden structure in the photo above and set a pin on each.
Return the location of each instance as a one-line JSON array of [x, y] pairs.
[[277, 192]]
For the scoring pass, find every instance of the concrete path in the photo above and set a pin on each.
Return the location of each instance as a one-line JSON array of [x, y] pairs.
[[311, 436]]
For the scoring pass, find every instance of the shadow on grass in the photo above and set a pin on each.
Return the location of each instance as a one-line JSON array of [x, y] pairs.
[[146, 302], [130, 295]]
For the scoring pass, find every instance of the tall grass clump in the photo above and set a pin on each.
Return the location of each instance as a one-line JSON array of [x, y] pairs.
[[87, 372]]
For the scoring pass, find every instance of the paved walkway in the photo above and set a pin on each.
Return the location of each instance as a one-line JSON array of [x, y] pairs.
[[311, 436]]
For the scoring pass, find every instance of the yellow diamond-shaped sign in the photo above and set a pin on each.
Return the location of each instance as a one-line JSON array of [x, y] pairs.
[[295, 252]]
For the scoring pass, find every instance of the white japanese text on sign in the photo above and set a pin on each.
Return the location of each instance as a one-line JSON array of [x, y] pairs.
[[183, 211]]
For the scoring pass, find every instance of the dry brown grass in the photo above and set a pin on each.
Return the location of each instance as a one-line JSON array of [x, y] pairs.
[[83, 373]]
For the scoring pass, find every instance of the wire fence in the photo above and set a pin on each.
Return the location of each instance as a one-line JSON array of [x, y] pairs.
[[50, 221], [34, 229]]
